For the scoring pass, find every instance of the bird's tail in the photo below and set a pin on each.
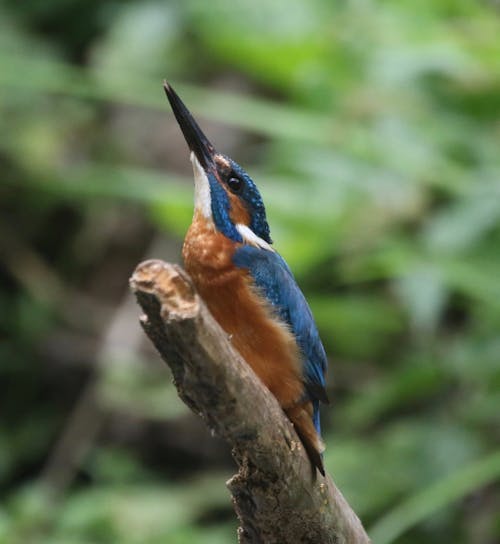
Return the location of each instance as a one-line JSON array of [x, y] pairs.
[[301, 416]]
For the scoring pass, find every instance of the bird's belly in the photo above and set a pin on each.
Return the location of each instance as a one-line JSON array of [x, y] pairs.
[[263, 341]]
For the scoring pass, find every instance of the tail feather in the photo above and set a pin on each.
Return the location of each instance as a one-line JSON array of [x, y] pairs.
[[302, 418]]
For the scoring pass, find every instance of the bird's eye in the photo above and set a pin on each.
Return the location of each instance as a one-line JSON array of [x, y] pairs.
[[235, 184]]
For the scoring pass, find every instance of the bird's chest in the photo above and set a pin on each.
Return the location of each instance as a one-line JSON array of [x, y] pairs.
[[224, 288]]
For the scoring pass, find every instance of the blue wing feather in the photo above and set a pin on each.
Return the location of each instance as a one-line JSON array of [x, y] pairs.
[[276, 282]]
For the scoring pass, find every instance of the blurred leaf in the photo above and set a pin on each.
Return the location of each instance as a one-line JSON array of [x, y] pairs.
[[251, 33], [423, 292], [459, 227], [398, 459], [356, 325], [128, 387], [443, 493], [399, 391], [138, 514], [139, 40]]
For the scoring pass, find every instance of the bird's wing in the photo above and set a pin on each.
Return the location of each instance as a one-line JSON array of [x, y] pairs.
[[275, 280]]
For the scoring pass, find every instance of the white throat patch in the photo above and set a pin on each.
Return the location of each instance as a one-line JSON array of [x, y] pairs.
[[251, 238], [202, 200]]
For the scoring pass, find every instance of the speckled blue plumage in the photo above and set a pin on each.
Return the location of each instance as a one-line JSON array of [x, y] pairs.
[[250, 195], [276, 283]]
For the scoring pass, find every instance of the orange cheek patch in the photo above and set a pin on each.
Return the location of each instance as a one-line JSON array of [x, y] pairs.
[[238, 213]]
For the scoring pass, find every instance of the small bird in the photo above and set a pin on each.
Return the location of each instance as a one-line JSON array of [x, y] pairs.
[[248, 287]]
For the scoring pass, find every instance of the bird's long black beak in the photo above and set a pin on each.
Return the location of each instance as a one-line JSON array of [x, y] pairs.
[[196, 140]]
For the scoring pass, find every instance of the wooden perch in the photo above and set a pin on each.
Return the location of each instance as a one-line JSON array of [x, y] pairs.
[[275, 494]]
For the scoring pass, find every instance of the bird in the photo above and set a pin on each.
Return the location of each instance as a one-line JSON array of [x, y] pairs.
[[249, 288]]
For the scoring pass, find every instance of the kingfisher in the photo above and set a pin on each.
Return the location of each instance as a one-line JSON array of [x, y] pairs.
[[248, 287]]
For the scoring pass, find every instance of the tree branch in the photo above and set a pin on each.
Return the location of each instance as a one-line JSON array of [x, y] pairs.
[[276, 496]]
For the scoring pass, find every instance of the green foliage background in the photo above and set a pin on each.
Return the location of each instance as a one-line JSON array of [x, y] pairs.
[[373, 131]]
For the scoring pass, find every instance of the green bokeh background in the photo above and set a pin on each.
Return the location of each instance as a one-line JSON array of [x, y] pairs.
[[373, 132]]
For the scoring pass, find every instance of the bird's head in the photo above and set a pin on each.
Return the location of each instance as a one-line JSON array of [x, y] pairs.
[[224, 193]]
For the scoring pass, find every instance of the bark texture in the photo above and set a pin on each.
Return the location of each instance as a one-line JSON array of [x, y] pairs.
[[277, 497]]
